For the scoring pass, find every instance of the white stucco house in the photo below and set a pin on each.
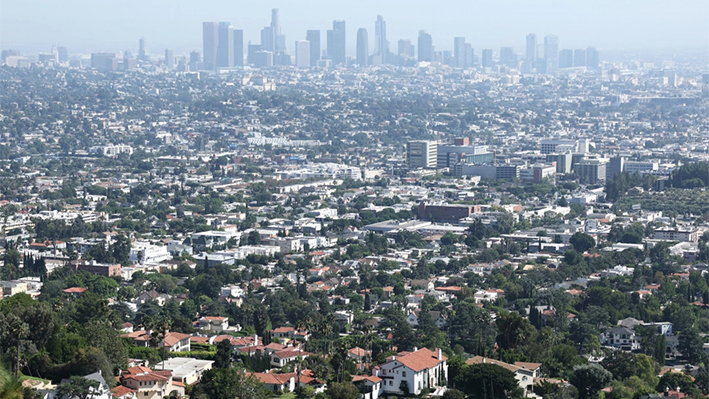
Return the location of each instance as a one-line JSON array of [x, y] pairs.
[[409, 373]]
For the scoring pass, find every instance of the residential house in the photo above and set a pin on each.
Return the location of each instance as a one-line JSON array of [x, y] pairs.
[[185, 370], [149, 384], [369, 387], [413, 318], [100, 392], [177, 342], [277, 382], [173, 342], [525, 373], [409, 373], [621, 338], [281, 358], [213, 323], [488, 295], [286, 333], [123, 392]]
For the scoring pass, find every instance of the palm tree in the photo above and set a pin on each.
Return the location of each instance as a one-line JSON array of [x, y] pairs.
[[325, 329], [298, 366], [164, 323], [19, 330]]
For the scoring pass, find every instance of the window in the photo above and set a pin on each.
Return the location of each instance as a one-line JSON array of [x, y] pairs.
[[403, 373], [145, 394], [391, 383]]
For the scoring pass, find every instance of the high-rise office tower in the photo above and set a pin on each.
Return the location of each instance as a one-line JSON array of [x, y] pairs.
[[142, 49], [337, 43], [302, 54], [195, 59], [593, 60], [508, 57], [487, 58], [263, 59], [362, 47], [251, 51], [580, 58], [210, 40], [238, 43], [268, 39], [225, 46], [551, 52], [566, 58], [469, 55], [530, 53], [405, 49], [169, 59], [459, 53], [381, 44], [313, 37], [531, 49], [422, 154], [63, 54], [425, 45], [279, 40]]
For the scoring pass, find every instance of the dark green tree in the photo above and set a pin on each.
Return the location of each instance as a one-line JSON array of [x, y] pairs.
[[590, 379], [77, 387], [582, 242], [224, 354]]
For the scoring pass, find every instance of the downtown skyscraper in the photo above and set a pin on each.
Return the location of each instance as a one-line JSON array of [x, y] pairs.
[[362, 47], [271, 38], [238, 43], [425, 46], [219, 45], [381, 44], [551, 52], [210, 41], [279, 38], [337, 43], [530, 53], [313, 37], [302, 54], [142, 50], [487, 58], [225, 45], [460, 54]]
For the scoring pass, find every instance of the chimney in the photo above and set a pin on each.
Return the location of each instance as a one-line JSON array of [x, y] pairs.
[[416, 349], [255, 339], [484, 360], [440, 354]]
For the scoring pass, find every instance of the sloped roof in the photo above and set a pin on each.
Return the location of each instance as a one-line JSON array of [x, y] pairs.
[[420, 360]]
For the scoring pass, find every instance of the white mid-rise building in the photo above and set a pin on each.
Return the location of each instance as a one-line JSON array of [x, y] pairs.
[[677, 234]]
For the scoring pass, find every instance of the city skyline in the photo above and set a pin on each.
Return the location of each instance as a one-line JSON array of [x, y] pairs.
[[628, 25]]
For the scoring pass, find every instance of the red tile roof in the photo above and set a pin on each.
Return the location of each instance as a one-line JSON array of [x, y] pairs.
[[121, 390], [172, 338], [274, 379], [75, 290], [420, 360]]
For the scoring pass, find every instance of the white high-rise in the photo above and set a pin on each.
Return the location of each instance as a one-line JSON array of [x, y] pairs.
[[302, 54]]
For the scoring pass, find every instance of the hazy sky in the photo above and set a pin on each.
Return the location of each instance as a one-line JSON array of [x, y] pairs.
[[101, 25]]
